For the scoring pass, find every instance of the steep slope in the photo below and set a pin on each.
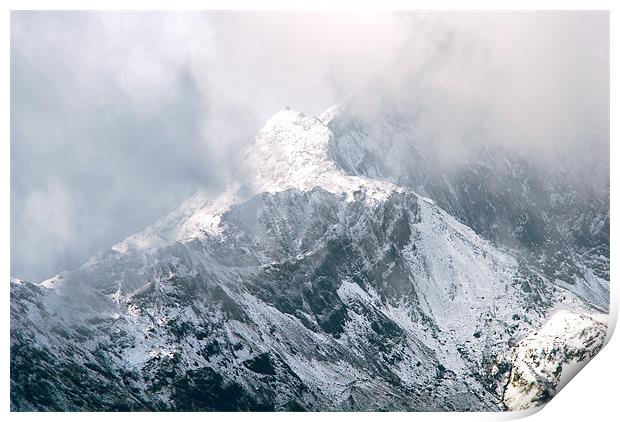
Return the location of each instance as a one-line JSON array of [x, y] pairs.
[[550, 210], [305, 287]]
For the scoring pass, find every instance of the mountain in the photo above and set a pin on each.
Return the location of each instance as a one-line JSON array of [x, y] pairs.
[[347, 271]]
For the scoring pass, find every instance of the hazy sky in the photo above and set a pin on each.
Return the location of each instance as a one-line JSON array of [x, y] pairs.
[[118, 117]]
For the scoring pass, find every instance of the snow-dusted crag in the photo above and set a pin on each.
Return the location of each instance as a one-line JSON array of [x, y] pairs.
[[322, 282]]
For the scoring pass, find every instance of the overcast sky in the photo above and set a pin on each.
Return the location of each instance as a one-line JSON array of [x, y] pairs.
[[118, 117]]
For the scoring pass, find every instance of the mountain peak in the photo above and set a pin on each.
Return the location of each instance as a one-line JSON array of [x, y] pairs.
[[291, 151]]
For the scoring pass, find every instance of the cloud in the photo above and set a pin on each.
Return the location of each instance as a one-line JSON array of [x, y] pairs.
[[117, 117], [532, 79]]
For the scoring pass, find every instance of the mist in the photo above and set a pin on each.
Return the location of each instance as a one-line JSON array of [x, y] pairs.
[[118, 117]]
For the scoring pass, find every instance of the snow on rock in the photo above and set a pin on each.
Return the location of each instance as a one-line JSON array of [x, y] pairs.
[[315, 288], [291, 151], [540, 359]]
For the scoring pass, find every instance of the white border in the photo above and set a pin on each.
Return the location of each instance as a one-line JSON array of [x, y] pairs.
[[594, 392]]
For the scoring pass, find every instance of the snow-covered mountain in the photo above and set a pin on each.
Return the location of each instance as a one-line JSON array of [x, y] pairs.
[[338, 275]]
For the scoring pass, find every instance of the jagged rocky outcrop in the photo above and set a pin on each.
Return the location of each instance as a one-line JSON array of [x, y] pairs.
[[314, 285]]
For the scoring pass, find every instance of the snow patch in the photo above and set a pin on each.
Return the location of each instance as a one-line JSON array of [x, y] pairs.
[[540, 360]]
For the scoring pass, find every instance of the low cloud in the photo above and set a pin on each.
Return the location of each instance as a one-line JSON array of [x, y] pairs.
[[117, 117]]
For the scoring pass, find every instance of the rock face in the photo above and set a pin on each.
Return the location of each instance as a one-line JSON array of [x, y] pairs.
[[328, 280]]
